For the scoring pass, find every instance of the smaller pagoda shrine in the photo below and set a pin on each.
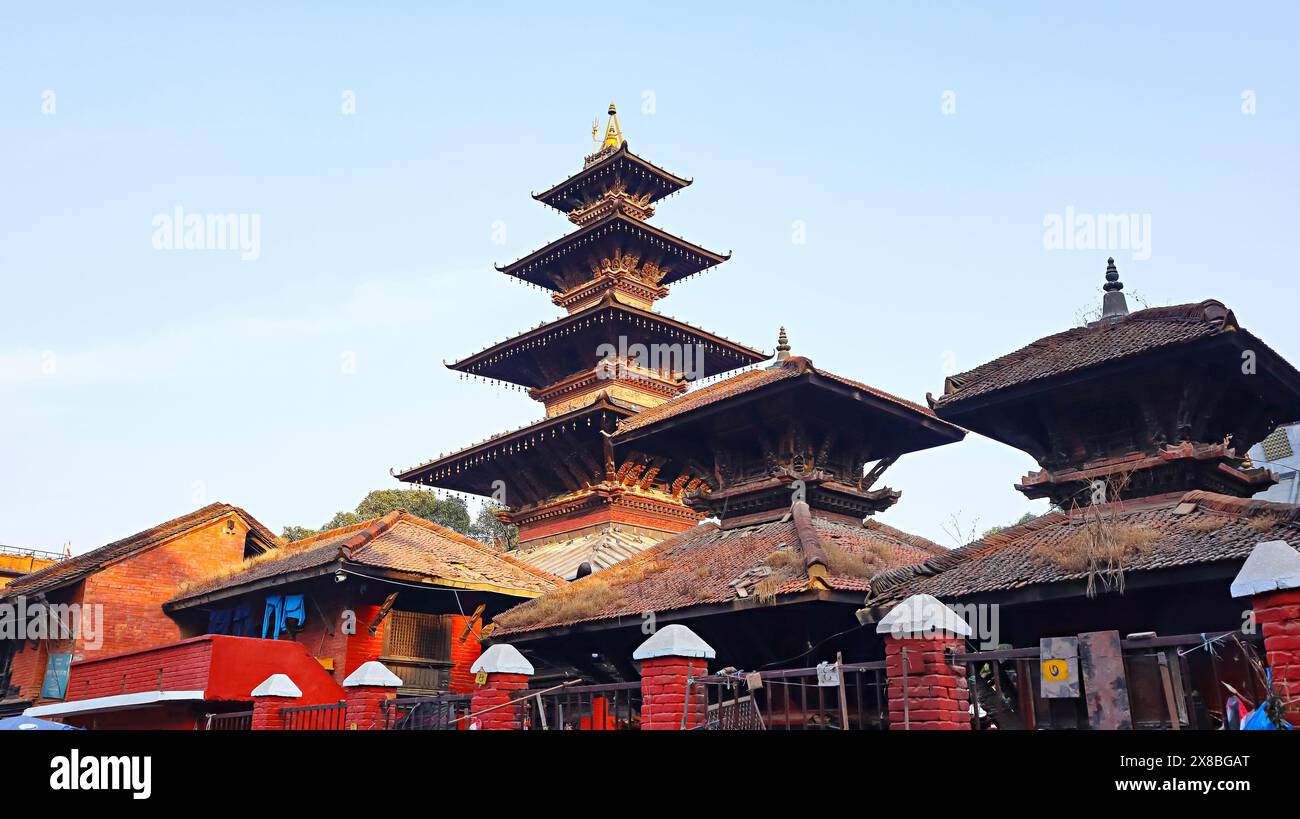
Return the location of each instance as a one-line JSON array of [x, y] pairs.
[[787, 459], [577, 507], [1167, 399], [1140, 422]]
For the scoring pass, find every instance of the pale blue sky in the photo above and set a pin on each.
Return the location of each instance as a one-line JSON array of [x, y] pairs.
[[185, 371]]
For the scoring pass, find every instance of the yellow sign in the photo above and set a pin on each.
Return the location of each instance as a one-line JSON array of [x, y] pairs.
[[481, 678], [1056, 670]]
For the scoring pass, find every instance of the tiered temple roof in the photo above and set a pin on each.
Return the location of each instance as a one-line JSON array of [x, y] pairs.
[[609, 358], [780, 455], [1141, 422]]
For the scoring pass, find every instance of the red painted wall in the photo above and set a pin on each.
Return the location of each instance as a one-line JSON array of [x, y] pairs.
[[226, 668], [463, 655]]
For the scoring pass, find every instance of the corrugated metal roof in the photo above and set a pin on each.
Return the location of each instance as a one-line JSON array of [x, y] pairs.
[[601, 549]]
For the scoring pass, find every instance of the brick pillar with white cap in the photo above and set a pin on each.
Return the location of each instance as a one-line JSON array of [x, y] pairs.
[[670, 659], [276, 691], [927, 692], [367, 688], [1270, 577], [506, 674]]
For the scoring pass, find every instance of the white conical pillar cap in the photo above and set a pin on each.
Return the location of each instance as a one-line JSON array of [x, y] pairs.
[[1272, 566], [674, 641], [372, 673], [277, 685], [922, 615], [502, 659]]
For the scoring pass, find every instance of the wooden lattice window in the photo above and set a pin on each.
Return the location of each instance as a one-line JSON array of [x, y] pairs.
[[417, 636]]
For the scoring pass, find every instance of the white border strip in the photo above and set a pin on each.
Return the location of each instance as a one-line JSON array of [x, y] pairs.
[[111, 703]]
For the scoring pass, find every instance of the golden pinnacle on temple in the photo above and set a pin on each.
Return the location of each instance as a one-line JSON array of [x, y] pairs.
[[613, 134]]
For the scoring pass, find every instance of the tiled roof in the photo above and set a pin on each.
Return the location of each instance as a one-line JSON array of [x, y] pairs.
[[707, 565], [1083, 347], [76, 568], [601, 549], [747, 382], [399, 542], [1212, 528]]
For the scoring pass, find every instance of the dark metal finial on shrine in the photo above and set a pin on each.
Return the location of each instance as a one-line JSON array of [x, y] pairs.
[[782, 346], [1113, 303]]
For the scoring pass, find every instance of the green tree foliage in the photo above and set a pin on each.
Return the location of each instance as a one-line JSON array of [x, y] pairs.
[[451, 512], [489, 529], [1025, 518]]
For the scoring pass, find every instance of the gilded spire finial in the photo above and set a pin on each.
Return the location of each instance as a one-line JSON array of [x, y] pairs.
[[613, 134]]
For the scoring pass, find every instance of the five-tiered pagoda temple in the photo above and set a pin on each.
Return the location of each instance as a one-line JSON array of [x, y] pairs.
[[578, 508]]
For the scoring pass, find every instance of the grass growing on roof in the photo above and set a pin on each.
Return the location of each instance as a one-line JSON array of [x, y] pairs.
[[1262, 523], [1101, 548], [1207, 523], [849, 563], [582, 599]]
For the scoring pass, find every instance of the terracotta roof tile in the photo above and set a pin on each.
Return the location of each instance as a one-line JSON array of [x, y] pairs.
[[1002, 561], [747, 382], [706, 565], [399, 542], [1082, 347], [80, 566]]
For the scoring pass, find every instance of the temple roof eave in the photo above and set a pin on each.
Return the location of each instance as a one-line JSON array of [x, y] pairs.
[[602, 404], [674, 183], [711, 257], [746, 355]]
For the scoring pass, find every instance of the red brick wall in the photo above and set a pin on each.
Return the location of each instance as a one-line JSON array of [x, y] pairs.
[[663, 693], [500, 689], [463, 655], [362, 647], [937, 699], [133, 590], [28, 670], [1278, 615], [179, 667]]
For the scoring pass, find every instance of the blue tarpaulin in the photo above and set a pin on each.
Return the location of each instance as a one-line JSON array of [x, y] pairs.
[[33, 724]]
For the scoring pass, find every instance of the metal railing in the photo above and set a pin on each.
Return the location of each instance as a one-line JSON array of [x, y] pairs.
[[1171, 684], [443, 712], [604, 707], [231, 721], [331, 717], [791, 700]]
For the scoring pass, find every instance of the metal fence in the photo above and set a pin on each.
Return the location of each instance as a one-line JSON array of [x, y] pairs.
[[1173, 682], [232, 721], [443, 712], [607, 707], [331, 717], [792, 700]]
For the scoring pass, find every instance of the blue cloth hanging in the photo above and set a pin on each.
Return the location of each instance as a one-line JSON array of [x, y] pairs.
[[272, 616], [281, 608], [241, 621], [219, 621], [295, 608]]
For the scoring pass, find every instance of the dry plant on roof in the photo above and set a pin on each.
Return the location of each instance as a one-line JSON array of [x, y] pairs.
[[1102, 545], [844, 562], [583, 599], [1207, 523], [1262, 523]]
